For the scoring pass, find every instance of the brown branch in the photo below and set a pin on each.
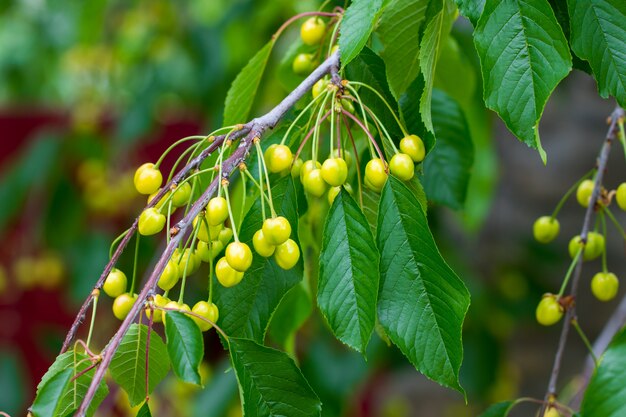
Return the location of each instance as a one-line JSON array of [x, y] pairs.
[[256, 128], [591, 208]]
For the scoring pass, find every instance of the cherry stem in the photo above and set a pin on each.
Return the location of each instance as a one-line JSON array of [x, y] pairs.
[[570, 270], [308, 135], [367, 132], [569, 192], [136, 259], [173, 145], [230, 214], [93, 321], [618, 226], [150, 322], [193, 243], [356, 156], [267, 179], [584, 338]]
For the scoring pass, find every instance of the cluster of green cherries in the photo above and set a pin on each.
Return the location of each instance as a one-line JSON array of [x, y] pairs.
[[213, 237], [604, 284], [312, 33]]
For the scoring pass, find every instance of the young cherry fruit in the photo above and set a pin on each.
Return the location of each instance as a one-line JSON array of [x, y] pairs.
[[239, 256], [206, 233], [583, 192], [225, 235], [169, 276], [319, 87], [620, 196], [279, 159], [375, 174], [181, 194], [546, 229], [115, 283], [147, 179], [413, 146], [161, 202], [189, 263], [303, 64], [307, 167], [122, 305], [549, 311], [312, 31], [261, 244], [335, 171], [207, 310], [226, 275], [401, 165], [287, 254], [604, 285], [296, 167], [314, 183], [551, 412], [158, 301], [217, 211], [276, 230], [151, 222], [593, 249]]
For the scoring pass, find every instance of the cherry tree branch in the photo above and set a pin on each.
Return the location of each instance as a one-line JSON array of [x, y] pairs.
[[255, 129], [589, 214]]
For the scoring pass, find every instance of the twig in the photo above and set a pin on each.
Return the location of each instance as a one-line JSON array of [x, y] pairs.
[[256, 128], [571, 311], [131, 231]]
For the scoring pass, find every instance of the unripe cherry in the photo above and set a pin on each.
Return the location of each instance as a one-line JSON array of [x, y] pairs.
[[276, 230], [279, 159], [335, 171], [239, 256], [159, 301], [147, 179], [545, 229], [261, 244], [620, 196], [604, 285], [584, 191], [151, 222], [115, 283], [170, 275], [217, 211], [287, 254], [123, 304], [312, 31], [181, 195], [401, 165], [226, 275], [549, 311], [375, 174], [207, 310], [413, 146], [314, 183]]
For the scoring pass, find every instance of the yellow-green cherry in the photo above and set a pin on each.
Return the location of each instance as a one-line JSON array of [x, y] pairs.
[[303, 64], [170, 275], [549, 311], [217, 211], [122, 305], [226, 275], [276, 230], [604, 286], [279, 159], [546, 229], [181, 194], [158, 301], [147, 179], [151, 222], [413, 146], [583, 192], [206, 310], [261, 244], [401, 165], [287, 254], [335, 171], [115, 283], [314, 183], [375, 174], [312, 31], [239, 256]]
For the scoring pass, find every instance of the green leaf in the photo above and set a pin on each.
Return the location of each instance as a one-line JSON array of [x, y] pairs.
[[293, 310], [472, 9], [399, 31], [128, 366], [438, 25], [421, 301], [185, 346], [524, 55], [369, 68], [356, 26], [243, 90], [247, 308], [270, 383], [49, 400], [455, 73], [606, 394], [348, 274], [597, 35], [70, 397], [562, 16], [500, 409], [447, 169], [144, 411]]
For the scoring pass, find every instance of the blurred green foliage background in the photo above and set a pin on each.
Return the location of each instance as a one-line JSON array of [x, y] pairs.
[[91, 89]]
